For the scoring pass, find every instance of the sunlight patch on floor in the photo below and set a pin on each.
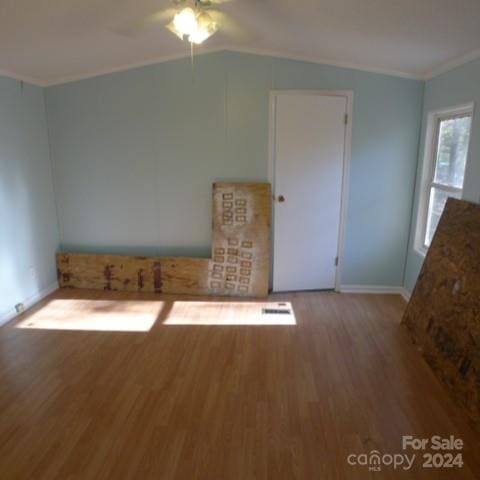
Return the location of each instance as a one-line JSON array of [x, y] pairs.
[[94, 314], [230, 313], [117, 315]]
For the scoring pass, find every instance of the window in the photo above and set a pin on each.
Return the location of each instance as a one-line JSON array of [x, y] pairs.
[[446, 150]]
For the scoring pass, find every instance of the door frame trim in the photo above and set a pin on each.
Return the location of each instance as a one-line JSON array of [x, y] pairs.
[[347, 156]]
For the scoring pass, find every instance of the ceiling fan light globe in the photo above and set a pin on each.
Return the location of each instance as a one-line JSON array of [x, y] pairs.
[[206, 28], [185, 21], [199, 36], [171, 26], [204, 19]]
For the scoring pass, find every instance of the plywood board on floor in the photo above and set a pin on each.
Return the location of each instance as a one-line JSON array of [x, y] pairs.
[[133, 273]]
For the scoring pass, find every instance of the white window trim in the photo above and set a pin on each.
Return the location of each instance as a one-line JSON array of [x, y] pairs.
[[428, 169]]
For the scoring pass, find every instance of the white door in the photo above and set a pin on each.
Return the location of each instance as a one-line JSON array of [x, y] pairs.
[[309, 144]]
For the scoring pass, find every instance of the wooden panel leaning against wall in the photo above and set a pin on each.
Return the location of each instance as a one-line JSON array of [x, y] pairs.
[[443, 315], [240, 254]]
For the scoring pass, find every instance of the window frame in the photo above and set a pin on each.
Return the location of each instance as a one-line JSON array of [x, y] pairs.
[[429, 165]]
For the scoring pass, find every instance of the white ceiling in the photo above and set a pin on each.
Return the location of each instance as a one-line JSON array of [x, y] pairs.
[[51, 41]]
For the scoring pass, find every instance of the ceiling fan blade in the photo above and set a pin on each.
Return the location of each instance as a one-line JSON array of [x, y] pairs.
[[246, 20], [206, 4], [227, 24], [135, 28]]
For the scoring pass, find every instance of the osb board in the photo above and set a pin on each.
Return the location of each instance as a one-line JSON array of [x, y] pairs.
[[443, 315], [241, 239], [133, 274], [240, 254]]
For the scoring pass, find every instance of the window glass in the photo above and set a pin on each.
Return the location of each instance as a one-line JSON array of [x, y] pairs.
[[446, 151], [438, 198], [453, 136]]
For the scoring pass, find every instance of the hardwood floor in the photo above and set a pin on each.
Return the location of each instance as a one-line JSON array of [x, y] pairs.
[[106, 385]]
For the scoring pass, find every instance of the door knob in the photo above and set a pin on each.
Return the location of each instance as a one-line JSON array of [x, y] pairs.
[[280, 199]]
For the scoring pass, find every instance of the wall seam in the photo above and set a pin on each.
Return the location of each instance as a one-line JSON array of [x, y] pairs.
[[52, 167], [414, 192]]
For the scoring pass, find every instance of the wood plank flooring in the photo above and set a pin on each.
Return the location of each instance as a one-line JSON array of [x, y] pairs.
[[108, 385]]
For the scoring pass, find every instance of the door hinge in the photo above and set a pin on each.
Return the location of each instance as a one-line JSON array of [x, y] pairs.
[[336, 261], [346, 119]]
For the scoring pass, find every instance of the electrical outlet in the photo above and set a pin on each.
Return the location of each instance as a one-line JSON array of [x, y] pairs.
[[20, 307]]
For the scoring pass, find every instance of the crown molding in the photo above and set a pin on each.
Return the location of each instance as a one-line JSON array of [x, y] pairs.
[[22, 78], [452, 64], [130, 66], [324, 61], [232, 48], [443, 68], [203, 51]]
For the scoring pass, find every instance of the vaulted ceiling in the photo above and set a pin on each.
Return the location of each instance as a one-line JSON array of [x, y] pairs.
[[51, 41]]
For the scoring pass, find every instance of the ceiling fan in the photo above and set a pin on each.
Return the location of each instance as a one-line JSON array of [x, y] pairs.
[[192, 20]]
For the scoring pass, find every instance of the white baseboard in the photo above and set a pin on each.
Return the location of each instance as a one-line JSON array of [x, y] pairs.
[[406, 294], [28, 303], [378, 289]]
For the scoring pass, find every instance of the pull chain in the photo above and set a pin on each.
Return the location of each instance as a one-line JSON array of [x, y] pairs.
[[192, 62]]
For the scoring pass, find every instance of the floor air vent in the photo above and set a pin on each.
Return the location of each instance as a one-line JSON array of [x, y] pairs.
[[276, 311]]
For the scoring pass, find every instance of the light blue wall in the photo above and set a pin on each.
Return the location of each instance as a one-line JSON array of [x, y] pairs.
[[135, 154], [459, 86], [28, 224]]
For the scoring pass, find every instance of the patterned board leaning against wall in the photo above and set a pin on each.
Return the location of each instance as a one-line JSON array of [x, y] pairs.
[[240, 254], [241, 239]]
